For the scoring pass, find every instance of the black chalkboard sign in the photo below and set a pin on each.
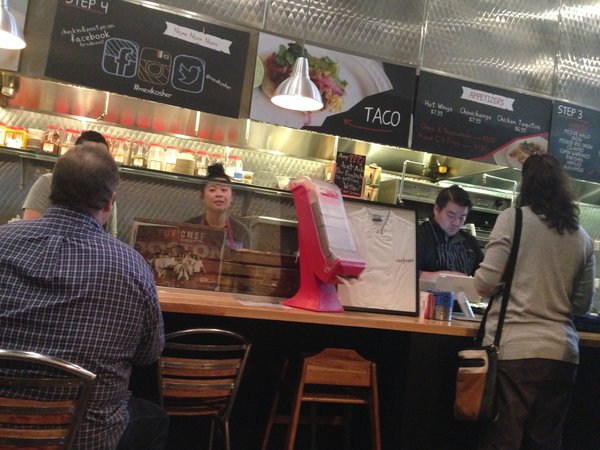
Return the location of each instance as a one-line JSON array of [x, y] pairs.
[[146, 53], [350, 173], [575, 140], [469, 120]]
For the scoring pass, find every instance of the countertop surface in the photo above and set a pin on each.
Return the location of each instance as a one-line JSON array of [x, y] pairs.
[[226, 304]]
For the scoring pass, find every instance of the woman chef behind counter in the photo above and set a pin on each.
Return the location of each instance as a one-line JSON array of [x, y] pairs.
[[217, 198]]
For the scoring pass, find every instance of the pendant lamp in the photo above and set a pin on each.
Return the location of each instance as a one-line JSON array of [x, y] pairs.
[[11, 35], [298, 92]]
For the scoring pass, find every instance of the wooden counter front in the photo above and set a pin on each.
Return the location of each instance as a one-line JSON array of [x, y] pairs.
[[226, 304]]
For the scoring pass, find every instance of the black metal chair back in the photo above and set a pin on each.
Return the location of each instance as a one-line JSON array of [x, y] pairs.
[[200, 373], [42, 400]]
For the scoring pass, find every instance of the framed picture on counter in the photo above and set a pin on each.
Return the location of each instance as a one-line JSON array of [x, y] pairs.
[[181, 255], [386, 238]]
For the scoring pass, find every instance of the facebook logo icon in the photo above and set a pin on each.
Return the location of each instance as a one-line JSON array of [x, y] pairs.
[[120, 57]]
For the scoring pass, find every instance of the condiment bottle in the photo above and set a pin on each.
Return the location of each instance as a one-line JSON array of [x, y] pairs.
[[202, 160], [238, 167], [156, 157], [138, 156], [51, 140], [171, 154], [68, 138], [120, 150], [2, 133]]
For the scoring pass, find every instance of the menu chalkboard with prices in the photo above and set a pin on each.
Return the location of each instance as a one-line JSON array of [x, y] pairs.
[[473, 121], [575, 140], [350, 173], [146, 53]]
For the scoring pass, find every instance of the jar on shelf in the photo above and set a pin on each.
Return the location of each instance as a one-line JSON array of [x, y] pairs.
[[235, 168], [110, 141], [171, 154], [138, 155], [156, 157], [120, 150], [67, 141], [51, 140], [16, 137], [202, 159], [185, 162], [2, 133]]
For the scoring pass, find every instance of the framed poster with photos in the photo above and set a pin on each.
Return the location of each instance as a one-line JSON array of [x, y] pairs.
[[386, 238]]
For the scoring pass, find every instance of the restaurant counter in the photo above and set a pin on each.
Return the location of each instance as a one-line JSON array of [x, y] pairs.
[[416, 364], [225, 304]]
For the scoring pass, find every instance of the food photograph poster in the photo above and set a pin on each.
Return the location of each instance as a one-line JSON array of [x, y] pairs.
[[363, 98], [181, 255]]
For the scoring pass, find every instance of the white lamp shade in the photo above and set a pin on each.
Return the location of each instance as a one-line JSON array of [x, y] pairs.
[[11, 36], [298, 92]]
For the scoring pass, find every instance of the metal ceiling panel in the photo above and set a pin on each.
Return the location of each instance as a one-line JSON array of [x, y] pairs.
[[578, 61], [383, 29], [498, 42]]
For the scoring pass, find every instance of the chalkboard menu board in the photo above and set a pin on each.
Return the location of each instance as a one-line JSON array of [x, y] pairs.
[[383, 117], [473, 121], [575, 140], [146, 53], [349, 173]]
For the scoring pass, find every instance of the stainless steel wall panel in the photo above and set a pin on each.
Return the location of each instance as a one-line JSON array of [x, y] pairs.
[[578, 61], [242, 12], [383, 29], [498, 42]]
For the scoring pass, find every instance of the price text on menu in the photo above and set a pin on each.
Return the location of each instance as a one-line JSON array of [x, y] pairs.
[[469, 120], [575, 140]]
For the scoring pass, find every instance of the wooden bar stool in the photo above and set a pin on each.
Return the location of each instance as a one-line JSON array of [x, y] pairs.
[[335, 375]]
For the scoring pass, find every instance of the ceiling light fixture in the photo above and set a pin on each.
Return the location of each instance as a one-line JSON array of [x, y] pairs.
[[11, 35], [298, 92]]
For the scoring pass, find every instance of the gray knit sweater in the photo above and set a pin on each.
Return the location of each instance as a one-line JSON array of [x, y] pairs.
[[554, 279]]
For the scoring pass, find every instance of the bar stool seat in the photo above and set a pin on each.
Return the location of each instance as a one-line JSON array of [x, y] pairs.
[[336, 376]]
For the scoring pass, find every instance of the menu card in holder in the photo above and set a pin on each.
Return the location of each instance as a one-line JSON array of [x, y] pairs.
[[349, 173], [327, 249]]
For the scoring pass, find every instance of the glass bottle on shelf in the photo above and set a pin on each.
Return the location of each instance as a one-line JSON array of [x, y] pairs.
[[156, 157], [237, 168], [171, 154], [67, 141], [138, 156], [50, 142], [120, 150], [2, 133], [202, 159]]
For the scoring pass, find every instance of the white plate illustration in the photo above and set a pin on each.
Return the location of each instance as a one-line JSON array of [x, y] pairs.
[[514, 153], [364, 76]]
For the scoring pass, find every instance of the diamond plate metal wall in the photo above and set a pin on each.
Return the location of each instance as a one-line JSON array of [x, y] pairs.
[[548, 47], [504, 43], [578, 61], [244, 12], [382, 29]]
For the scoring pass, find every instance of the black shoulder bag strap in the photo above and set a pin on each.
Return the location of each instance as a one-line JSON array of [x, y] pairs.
[[508, 277]]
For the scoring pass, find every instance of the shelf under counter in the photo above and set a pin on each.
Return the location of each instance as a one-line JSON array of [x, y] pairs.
[[243, 306]]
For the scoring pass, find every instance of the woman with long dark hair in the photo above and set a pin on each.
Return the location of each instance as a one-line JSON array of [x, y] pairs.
[[553, 280]]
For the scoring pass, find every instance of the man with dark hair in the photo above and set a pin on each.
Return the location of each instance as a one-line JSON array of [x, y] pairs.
[[70, 290], [38, 199], [91, 136], [441, 242]]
